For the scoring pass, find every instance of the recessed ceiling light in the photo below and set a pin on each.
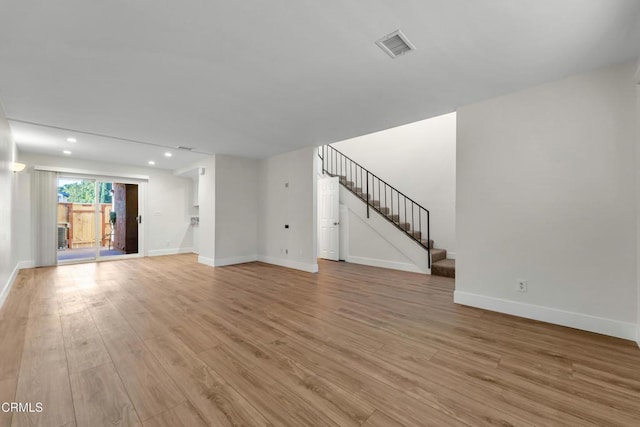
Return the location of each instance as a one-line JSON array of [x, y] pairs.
[[72, 140], [67, 152], [168, 154], [151, 162]]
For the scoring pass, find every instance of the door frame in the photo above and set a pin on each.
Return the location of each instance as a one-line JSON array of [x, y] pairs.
[[139, 180]]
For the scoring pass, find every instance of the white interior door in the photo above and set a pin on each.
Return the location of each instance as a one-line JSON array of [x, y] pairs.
[[328, 218]]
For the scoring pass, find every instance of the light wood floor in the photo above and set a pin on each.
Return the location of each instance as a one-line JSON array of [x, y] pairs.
[[168, 342]]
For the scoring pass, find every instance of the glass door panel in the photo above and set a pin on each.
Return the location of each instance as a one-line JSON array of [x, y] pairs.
[[76, 219]]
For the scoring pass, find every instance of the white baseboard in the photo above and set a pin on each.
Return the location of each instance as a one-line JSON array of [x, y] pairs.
[[394, 265], [220, 262], [21, 265], [26, 264], [297, 265], [169, 251], [585, 322], [206, 261], [6, 287], [638, 335]]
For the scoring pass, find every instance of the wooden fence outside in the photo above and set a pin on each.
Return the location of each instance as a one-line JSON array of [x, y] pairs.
[[80, 220]]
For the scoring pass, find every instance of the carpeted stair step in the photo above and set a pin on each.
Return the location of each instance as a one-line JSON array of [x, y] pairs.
[[416, 234], [404, 225], [438, 255], [394, 217], [385, 211], [444, 268], [424, 242]]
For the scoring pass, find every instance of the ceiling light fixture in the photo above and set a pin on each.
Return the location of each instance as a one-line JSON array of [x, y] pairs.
[[72, 140], [67, 152], [168, 154], [17, 167], [151, 162]]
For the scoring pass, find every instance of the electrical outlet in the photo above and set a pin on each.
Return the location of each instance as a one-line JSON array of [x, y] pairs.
[[168, 243], [521, 285]]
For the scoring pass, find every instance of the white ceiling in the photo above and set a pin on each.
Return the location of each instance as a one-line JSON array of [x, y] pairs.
[[53, 142], [256, 78]]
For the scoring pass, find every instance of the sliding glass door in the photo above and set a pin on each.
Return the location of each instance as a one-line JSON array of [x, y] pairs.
[[97, 219]]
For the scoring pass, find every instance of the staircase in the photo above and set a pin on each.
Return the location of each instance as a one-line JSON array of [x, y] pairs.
[[403, 212]]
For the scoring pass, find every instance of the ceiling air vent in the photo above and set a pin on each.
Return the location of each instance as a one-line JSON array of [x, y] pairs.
[[181, 147], [395, 44]]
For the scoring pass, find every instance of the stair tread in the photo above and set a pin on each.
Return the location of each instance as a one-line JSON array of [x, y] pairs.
[[438, 254], [424, 242], [444, 268], [445, 263]]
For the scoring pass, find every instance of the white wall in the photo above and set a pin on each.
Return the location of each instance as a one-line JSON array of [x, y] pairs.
[[546, 193], [203, 177], [8, 213], [236, 210], [295, 205], [637, 80], [418, 159], [167, 228]]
